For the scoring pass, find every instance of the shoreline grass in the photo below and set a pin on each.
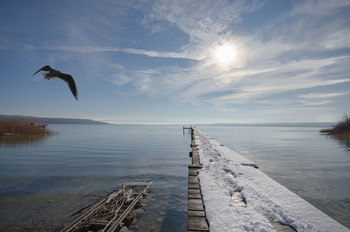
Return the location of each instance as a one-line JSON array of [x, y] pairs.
[[22, 127], [341, 131]]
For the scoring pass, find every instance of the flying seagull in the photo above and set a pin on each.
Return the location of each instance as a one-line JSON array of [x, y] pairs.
[[53, 73]]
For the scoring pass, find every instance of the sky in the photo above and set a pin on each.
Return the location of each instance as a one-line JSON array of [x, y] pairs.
[[183, 61]]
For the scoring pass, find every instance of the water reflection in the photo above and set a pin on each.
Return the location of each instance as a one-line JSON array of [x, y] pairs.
[[15, 141], [340, 141]]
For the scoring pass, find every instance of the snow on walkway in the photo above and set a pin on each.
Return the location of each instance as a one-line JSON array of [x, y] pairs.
[[239, 197]]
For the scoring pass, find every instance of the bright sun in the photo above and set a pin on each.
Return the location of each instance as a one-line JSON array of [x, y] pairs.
[[225, 54]]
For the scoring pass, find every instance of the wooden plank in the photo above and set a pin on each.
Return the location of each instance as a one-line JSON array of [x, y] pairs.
[[195, 156], [193, 186], [196, 213], [194, 196], [193, 172], [197, 224], [76, 223], [195, 153], [195, 204], [194, 191], [193, 180], [127, 211]]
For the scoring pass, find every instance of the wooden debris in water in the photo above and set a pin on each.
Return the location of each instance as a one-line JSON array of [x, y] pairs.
[[113, 213]]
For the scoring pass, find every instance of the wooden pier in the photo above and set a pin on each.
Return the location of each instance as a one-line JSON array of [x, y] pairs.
[[187, 128], [41, 125], [196, 212]]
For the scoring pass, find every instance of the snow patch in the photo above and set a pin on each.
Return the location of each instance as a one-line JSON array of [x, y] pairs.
[[238, 197]]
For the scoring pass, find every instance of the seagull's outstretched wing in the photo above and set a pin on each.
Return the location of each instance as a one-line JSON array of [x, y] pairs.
[[45, 68], [71, 83]]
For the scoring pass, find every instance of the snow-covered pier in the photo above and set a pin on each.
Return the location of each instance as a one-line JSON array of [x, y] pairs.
[[237, 196], [196, 212]]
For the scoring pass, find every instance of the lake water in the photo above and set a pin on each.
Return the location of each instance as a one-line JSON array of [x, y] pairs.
[[43, 182]]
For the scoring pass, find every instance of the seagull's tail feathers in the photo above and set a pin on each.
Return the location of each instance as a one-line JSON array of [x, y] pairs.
[[47, 76]]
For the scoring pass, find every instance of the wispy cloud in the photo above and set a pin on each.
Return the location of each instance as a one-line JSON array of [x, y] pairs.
[[301, 53], [321, 95], [96, 49]]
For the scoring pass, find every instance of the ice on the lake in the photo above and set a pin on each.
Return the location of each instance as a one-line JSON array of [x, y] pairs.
[[239, 197]]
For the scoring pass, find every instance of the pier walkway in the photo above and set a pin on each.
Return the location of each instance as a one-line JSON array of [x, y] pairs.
[[196, 211]]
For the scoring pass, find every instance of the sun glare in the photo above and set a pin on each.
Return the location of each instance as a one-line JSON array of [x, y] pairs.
[[225, 54]]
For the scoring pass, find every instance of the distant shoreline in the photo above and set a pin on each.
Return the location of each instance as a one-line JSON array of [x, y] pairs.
[[56, 120], [50, 120]]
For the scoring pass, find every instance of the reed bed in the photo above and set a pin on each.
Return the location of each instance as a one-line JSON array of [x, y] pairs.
[[341, 130], [22, 127]]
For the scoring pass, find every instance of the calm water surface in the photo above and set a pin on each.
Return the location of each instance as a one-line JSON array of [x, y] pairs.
[[43, 182], [314, 166]]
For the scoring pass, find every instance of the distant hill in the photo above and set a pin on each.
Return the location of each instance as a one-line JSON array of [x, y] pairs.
[[56, 120]]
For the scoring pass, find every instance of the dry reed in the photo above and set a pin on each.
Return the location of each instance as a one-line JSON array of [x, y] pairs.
[[22, 127], [341, 130]]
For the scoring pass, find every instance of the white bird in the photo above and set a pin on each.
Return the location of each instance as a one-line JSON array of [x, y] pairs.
[[53, 73]]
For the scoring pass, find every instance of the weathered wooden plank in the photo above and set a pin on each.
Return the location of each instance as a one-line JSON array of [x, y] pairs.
[[76, 223], [195, 153], [197, 224], [194, 196], [130, 207], [195, 156], [193, 172], [196, 213], [193, 180], [194, 191], [195, 204], [193, 186]]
